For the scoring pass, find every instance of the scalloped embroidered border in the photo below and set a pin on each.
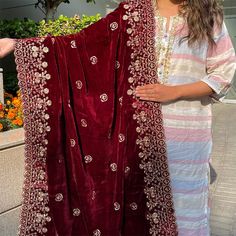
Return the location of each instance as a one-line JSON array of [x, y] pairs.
[[151, 140], [33, 76]]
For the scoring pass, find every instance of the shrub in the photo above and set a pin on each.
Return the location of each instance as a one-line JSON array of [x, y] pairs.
[[66, 25], [10, 82], [27, 28], [17, 28]]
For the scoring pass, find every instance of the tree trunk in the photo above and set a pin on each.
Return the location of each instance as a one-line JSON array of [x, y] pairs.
[[50, 13]]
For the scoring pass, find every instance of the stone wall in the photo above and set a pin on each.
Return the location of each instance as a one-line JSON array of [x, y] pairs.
[[11, 180]]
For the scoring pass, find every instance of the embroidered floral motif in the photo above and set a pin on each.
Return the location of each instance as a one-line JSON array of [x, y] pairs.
[[72, 142], [58, 197], [104, 97], [114, 26], [121, 101], [121, 138], [84, 123], [76, 212], [97, 232], [88, 159], [113, 167], [33, 84], [143, 70], [117, 65], [133, 206], [73, 44], [164, 44], [79, 84], [93, 60], [127, 169], [69, 104], [116, 206], [93, 195]]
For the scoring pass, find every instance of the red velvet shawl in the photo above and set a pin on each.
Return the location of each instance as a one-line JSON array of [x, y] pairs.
[[96, 159]]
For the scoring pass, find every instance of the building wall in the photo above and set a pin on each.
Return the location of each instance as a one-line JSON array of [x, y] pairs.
[[17, 9]]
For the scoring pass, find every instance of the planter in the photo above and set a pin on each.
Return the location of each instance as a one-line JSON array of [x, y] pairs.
[[11, 180]]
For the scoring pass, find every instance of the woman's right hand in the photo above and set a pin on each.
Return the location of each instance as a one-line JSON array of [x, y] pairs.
[[7, 46]]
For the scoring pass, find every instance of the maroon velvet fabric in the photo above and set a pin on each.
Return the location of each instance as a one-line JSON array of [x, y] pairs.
[[95, 155]]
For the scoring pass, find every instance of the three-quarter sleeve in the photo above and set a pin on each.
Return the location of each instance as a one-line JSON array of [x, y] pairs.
[[220, 64]]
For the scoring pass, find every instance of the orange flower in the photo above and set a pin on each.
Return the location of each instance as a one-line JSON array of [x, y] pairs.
[[16, 102], [1, 126], [11, 114], [1, 106], [18, 121], [1, 114]]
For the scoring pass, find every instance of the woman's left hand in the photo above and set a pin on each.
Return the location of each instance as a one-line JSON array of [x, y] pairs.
[[157, 93]]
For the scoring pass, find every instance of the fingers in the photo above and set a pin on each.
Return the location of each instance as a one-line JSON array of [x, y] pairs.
[[154, 99], [6, 46]]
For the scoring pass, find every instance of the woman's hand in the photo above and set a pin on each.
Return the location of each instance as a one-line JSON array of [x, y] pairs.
[[167, 93], [6, 46], [157, 93]]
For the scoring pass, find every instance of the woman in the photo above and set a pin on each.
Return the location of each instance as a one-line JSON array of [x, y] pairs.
[[118, 120]]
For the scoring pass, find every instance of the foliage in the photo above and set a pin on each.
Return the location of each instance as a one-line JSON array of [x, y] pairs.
[[66, 25], [17, 28], [11, 115], [11, 82], [27, 28], [49, 7]]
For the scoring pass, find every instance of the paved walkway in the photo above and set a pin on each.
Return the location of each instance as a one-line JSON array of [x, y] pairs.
[[223, 171]]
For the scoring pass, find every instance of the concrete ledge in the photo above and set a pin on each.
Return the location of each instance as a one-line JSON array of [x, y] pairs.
[[9, 222], [11, 180], [11, 138], [11, 177]]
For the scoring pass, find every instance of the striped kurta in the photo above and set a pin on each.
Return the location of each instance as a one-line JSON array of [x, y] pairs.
[[187, 123]]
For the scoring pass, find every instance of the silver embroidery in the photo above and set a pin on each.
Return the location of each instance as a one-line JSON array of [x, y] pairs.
[[143, 68], [88, 159], [133, 206], [73, 44], [117, 65], [93, 195], [46, 49], [72, 142], [69, 104], [125, 17], [121, 138], [58, 197], [104, 97], [126, 6], [116, 206], [79, 84], [45, 64], [32, 73], [76, 212], [93, 60], [121, 101], [129, 30], [46, 90], [114, 26], [113, 167], [84, 123], [130, 80], [127, 169], [97, 232], [130, 92]]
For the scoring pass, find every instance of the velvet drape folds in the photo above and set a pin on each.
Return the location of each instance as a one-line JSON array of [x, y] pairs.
[[96, 159]]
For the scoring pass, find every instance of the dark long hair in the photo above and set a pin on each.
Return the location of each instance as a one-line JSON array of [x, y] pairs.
[[201, 16]]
